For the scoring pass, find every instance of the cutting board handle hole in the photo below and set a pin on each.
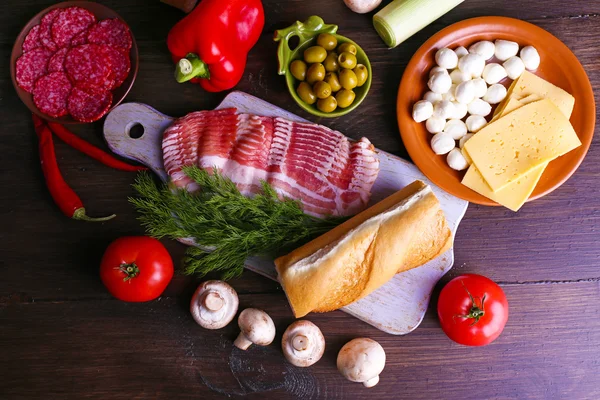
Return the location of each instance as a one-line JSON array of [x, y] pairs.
[[136, 130]]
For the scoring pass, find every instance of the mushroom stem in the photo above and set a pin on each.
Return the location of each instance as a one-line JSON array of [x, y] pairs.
[[241, 342], [300, 342], [213, 301], [371, 382]]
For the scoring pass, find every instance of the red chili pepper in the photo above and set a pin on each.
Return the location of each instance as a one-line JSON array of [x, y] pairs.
[[64, 197], [89, 149], [211, 43]]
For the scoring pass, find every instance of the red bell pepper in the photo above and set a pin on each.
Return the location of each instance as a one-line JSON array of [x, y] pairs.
[[211, 44]]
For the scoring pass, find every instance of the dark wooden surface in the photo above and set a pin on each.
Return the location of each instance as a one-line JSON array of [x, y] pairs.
[[63, 336]]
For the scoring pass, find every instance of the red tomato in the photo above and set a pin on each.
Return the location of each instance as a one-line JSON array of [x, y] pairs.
[[472, 310], [136, 268]]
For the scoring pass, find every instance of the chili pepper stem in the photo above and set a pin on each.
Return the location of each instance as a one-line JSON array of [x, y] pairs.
[[191, 67], [80, 215]]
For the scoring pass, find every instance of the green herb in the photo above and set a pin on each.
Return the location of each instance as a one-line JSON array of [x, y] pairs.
[[219, 218]]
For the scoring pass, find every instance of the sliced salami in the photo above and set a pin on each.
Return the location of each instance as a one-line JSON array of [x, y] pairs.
[[88, 65], [57, 61], [31, 66], [119, 64], [89, 104], [70, 22], [80, 38], [113, 32], [51, 93], [46, 27], [32, 40]]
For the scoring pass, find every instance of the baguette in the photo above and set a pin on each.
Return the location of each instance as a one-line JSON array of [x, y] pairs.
[[401, 232]]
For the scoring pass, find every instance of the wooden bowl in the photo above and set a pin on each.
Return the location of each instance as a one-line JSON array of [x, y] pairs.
[[558, 66], [101, 12]]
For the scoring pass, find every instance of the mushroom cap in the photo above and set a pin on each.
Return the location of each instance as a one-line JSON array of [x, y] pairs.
[[257, 326], [214, 304], [303, 343], [361, 359]]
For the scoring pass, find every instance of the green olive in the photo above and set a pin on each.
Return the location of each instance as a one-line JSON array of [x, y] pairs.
[[333, 81], [361, 73], [322, 89], [348, 79], [327, 105], [298, 69], [345, 97], [315, 54], [331, 62], [347, 60], [306, 93], [315, 73], [327, 41], [349, 47]]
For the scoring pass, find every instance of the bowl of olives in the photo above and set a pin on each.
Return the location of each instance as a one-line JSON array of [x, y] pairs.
[[327, 74]]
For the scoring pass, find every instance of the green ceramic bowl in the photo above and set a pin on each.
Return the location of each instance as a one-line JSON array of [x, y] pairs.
[[307, 33]]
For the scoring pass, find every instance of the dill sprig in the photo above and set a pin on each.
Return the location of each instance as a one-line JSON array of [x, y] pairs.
[[227, 226]]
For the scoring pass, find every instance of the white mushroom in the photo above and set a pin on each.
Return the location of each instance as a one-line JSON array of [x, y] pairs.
[[475, 123], [446, 58], [480, 87], [479, 107], [472, 64], [362, 6], [443, 109], [461, 51], [361, 360], [505, 49], [440, 82], [465, 92], [455, 128], [435, 124], [495, 94], [530, 57], [449, 95], [214, 304], [457, 76], [456, 160], [422, 110], [460, 110], [484, 48], [494, 73], [442, 143], [464, 139], [432, 97], [303, 343], [256, 328], [514, 67], [437, 69]]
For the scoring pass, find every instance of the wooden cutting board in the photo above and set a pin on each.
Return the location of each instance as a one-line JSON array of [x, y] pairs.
[[397, 307]]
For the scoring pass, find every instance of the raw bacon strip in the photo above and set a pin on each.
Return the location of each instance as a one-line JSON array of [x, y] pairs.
[[87, 104], [51, 92], [87, 65], [32, 40], [119, 65], [113, 32], [57, 61], [46, 29], [70, 22], [31, 66], [80, 38]]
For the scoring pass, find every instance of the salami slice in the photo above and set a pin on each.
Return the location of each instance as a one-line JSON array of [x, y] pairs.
[[89, 104], [31, 66], [32, 40], [87, 65], [113, 32], [119, 64], [46, 27], [80, 38], [57, 61], [51, 93], [70, 22]]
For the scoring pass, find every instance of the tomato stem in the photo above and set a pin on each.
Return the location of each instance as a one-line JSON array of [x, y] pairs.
[[130, 271], [475, 312]]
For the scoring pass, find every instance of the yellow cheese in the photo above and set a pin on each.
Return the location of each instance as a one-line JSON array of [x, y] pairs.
[[529, 83], [526, 138], [466, 156], [513, 103]]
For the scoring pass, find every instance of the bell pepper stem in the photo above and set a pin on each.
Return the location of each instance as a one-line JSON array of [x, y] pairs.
[[80, 215], [190, 67]]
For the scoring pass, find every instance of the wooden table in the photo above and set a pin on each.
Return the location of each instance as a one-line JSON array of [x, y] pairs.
[[63, 336]]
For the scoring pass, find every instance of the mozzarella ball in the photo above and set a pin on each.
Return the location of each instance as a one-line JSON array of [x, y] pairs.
[[463, 140], [456, 160], [475, 123], [446, 58], [460, 110], [514, 67], [437, 69], [435, 124], [432, 97], [443, 109], [505, 49], [484, 48], [465, 92], [530, 57], [479, 107], [480, 87], [495, 94], [494, 73], [455, 128], [442, 143], [472, 64], [422, 110], [461, 51], [440, 82], [458, 76], [450, 94]]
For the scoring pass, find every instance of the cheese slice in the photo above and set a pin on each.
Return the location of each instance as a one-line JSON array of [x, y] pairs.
[[529, 83], [524, 139], [513, 103]]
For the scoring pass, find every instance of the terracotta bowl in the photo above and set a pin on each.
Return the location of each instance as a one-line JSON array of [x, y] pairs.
[[558, 66], [101, 12]]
